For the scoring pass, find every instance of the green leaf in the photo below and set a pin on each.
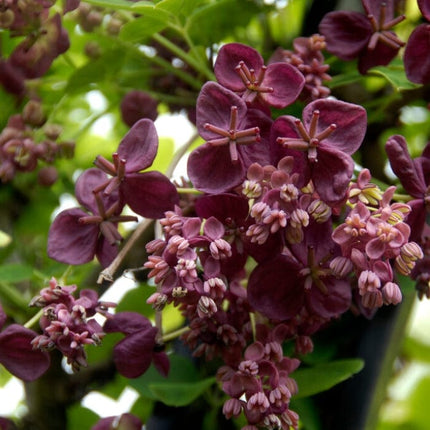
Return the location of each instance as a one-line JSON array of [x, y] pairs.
[[15, 272], [79, 418], [180, 393], [180, 388], [152, 21], [325, 376], [179, 7], [307, 412], [116, 4], [213, 22], [395, 75]]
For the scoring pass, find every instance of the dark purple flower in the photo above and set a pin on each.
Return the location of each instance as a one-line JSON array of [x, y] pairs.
[[76, 236], [235, 138], [17, 354], [414, 175], [367, 37], [149, 194], [279, 288], [241, 69], [133, 354], [136, 105], [322, 144], [416, 58], [122, 422]]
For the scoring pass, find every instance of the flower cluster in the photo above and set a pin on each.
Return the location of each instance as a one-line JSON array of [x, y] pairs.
[[68, 324], [21, 152]]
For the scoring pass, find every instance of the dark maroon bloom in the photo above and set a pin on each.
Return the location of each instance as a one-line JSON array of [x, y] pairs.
[[77, 236], [241, 69], [416, 58], [234, 139], [149, 194], [330, 133], [279, 288], [121, 422], [34, 56], [133, 355], [137, 105], [367, 37], [414, 175], [17, 354]]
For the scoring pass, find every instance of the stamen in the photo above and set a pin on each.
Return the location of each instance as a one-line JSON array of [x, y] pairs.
[[105, 165]]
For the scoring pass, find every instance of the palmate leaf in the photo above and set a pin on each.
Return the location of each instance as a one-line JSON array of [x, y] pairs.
[[324, 376]]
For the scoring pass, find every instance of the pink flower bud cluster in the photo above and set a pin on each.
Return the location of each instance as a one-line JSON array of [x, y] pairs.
[[372, 237], [68, 323]]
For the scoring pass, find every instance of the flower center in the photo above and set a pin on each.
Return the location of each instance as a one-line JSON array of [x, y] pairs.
[[382, 30], [252, 81], [308, 140], [233, 137]]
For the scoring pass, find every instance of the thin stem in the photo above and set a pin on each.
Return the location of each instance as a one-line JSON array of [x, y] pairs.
[[180, 53], [108, 273], [174, 334], [34, 319], [179, 154]]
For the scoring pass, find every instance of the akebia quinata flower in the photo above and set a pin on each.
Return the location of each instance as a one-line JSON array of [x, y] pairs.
[[235, 138], [368, 37], [322, 144], [149, 194]]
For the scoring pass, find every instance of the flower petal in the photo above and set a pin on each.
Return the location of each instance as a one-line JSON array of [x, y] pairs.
[[18, 355], [416, 58], [149, 194], [71, 242], [139, 146]]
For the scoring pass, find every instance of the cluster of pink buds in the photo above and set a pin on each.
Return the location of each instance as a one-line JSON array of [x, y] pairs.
[[68, 323], [374, 234]]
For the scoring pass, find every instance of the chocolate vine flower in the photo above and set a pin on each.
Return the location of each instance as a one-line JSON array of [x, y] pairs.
[[125, 421], [368, 37], [133, 354], [241, 69], [234, 139], [77, 236], [149, 194], [281, 287], [414, 176], [17, 354], [322, 144], [416, 58]]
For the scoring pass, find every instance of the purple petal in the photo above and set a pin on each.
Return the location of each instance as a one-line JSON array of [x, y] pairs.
[[18, 356], [149, 194], [287, 83], [161, 363], [416, 58], [381, 55], [229, 57], [214, 107], [373, 7], [139, 146], [404, 167], [346, 33], [124, 422], [133, 355], [89, 180], [336, 302], [224, 175], [424, 6], [223, 207], [213, 228], [105, 252], [331, 174], [350, 120], [274, 289], [71, 242], [127, 323]]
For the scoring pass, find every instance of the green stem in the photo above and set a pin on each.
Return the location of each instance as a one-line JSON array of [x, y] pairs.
[[189, 191], [174, 334], [180, 53], [34, 319]]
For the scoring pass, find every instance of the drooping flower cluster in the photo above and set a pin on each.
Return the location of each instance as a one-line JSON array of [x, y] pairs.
[[21, 152], [68, 324]]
